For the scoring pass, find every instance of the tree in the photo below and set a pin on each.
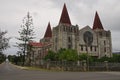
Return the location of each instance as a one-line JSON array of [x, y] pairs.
[[85, 56], [26, 34], [4, 42], [13, 58], [68, 55], [62, 54], [2, 58], [115, 58], [51, 56]]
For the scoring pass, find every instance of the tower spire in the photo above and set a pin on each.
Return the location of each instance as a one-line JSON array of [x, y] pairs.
[[48, 32], [65, 16], [97, 23]]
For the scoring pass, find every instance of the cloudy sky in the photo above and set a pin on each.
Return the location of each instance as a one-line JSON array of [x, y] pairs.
[[42, 11]]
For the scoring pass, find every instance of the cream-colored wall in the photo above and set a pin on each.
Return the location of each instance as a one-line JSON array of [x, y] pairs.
[[107, 45], [82, 43], [62, 37]]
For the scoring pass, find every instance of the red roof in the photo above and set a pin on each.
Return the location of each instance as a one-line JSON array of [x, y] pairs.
[[97, 23], [65, 16], [48, 32], [36, 44]]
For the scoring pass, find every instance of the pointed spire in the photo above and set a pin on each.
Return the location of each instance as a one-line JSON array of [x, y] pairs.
[[65, 16], [28, 14], [48, 32], [97, 23]]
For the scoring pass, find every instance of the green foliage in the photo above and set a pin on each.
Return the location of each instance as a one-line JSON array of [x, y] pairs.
[[102, 59], [16, 59], [4, 42], [2, 58], [60, 55], [63, 54], [26, 35], [71, 55], [83, 56], [86, 57], [115, 58], [11, 58], [50, 56]]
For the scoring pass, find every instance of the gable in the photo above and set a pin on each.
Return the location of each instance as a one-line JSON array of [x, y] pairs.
[[82, 32]]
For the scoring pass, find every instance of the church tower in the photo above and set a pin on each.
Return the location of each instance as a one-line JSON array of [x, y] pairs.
[[97, 25], [103, 38], [46, 42], [65, 19], [64, 34], [48, 35]]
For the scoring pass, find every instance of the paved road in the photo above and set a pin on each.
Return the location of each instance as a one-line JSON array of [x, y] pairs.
[[9, 72]]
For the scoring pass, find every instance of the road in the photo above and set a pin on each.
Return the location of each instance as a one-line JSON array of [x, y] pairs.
[[10, 72]]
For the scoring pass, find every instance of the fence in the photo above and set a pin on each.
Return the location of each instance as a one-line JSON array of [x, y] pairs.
[[77, 66]]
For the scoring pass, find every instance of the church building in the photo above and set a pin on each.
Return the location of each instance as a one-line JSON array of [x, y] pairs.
[[95, 41]]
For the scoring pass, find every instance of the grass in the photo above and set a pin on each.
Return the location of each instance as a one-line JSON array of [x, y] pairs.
[[38, 69]]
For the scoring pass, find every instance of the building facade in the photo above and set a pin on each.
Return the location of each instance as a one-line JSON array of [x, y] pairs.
[[95, 41], [68, 36]]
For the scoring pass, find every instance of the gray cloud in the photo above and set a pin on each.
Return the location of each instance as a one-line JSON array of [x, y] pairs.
[[81, 12]]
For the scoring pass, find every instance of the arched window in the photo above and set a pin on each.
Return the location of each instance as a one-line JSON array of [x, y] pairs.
[[81, 47], [69, 39], [90, 48]]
